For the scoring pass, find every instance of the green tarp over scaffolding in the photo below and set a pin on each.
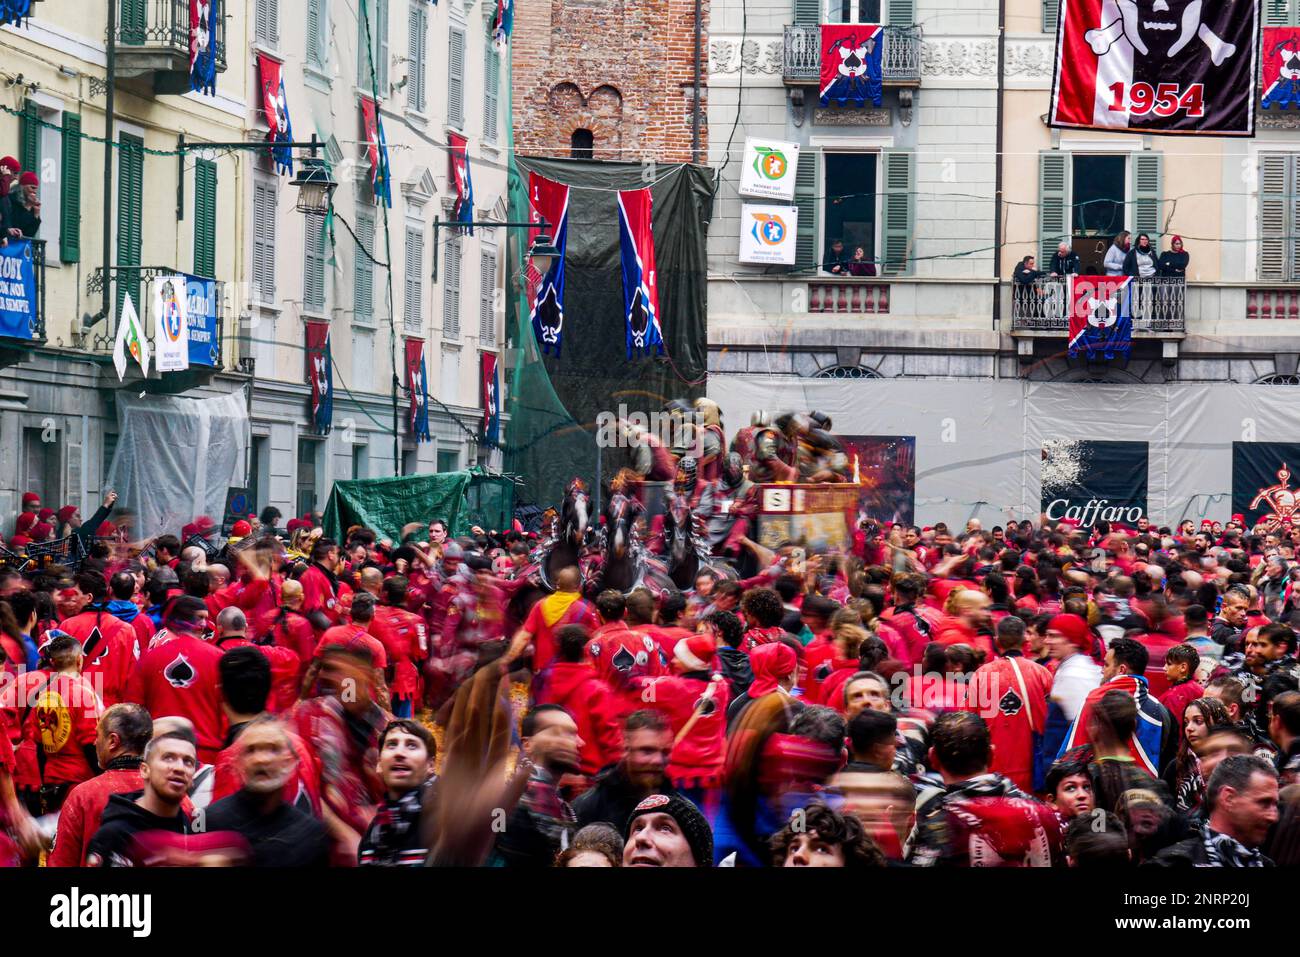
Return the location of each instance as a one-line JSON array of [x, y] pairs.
[[461, 499]]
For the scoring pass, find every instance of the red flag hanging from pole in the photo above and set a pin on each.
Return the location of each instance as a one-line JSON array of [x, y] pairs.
[[417, 384], [491, 399]]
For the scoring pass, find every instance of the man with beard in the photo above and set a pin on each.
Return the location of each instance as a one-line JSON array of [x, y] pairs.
[[166, 771], [1227, 628], [395, 838], [1241, 799], [279, 834], [667, 831], [647, 744], [543, 822], [1268, 651]]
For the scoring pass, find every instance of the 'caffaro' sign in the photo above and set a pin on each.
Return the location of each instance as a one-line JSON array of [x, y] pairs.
[[1087, 482]]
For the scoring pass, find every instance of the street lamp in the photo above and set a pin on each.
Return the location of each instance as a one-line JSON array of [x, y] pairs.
[[543, 254], [315, 186]]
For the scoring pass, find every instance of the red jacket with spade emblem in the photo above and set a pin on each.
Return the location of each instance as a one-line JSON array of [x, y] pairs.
[[1010, 693], [109, 644], [179, 677]]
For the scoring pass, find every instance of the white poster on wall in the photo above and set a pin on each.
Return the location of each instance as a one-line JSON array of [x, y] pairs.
[[767, 169], [767, 234], [171, 333]]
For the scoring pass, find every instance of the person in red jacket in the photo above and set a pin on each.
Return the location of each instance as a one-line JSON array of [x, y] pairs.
[[826, 684], [1010, 693], [618, 652], [232, 632], [124, 587], [323, 595], [405, 640], [179, 677], [763, 611], [124, 730], [571, 682], [1181, 662], [60, 723], [968, 622], [914, 622], [564, 606], [107, 642], [666, 629], [287, 627]]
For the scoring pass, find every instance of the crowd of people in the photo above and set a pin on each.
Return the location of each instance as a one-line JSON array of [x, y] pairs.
[[20, 201], [1034, 695]]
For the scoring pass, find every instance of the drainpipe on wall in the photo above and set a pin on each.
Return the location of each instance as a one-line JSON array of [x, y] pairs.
[[695, 104], [997, 166]]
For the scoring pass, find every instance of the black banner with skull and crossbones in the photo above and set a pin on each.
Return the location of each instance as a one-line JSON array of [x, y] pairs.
[[1157, 66]]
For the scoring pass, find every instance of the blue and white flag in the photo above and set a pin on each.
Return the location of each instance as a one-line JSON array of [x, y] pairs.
[[204, 15]]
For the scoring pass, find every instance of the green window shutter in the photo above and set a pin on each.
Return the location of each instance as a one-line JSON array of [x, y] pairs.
[[807, 13], [1293, 211], [1277, 13], [456, 79], [900, 13], [1053, 202], [1051, 14], [1273, 203], [808, 204], [1148, 180], [70, 190], [417, 40], [130, 212], [317, 30], [30, 137], [313, 281], [898, 211], [131, 16], [205, 218], [363, 297], [491, 91], [381, 45]]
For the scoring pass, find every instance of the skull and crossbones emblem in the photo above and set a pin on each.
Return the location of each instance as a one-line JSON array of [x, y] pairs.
[[1158, 27], [1102, 313]]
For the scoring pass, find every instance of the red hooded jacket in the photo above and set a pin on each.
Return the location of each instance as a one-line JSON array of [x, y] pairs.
[[109, 643], [592, 705], [697, 758]]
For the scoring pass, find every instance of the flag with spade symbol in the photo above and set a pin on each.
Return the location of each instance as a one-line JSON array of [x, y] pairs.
[[640, 288], [1101, 316]]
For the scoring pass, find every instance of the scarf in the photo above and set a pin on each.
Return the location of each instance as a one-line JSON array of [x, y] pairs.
[[396, 826], [556, 605], [1223, 850]]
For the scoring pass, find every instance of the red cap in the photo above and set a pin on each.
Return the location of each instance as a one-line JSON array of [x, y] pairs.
[[45, 514], [240, 529], [294, 524], [695, 652], [12, 163], [186, 531], [19, 541], [29, 179], [66, 513], [1238, 518], [204, 524], [1206, 523], [770, 662], [1075, 629], [30, 498], [42, 530], [106, 529], [25, 522]]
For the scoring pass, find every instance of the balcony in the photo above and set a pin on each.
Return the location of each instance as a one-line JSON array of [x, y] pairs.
[[1039, 309], [207, 342], [153, 42], [848, 296], [18, 347], [900, 64]]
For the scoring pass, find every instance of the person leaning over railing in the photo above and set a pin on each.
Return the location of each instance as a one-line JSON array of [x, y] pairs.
[[1028, 293]]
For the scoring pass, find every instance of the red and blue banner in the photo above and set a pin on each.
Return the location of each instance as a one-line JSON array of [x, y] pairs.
[[417, 383], [320, 375], [458, 156], [204, 15], [491, 400], [1101, 316], [503, 21], [852, 64], [18, 318], [549, 204], [1184, 66], [376, 151], [1280, 73], [275, 107], [640, 288]]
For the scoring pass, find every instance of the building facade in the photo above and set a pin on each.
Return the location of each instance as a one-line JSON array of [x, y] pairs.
[[226, 215], [916, 182]]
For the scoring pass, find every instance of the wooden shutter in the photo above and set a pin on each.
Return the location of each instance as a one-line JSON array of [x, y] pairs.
[[316, 32], [417, 40], [900, 13], [451, 292], [491, 90], [313, 281], [807, 13], [456, 79], [264, 203], [808, 203], [1051, 14], [29, 137], [1054, 223], [205, 218], [363, 296], [1148, 180], [1278, 13], [486, 290], [897, 211], [131, 17], [413, 312], [267, 27], [1277, 211], [130, 210], [70, 190]]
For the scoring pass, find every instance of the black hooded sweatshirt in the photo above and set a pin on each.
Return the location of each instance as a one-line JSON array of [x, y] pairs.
[[123, 820]]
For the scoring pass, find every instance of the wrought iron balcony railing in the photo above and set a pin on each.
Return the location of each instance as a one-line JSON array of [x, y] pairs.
[[153, 36], [1159, 306], [900, 60]]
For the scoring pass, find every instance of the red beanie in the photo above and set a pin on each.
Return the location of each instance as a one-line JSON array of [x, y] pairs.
[[29, 179], [695, 652], [45, 514], [12, 163], [66, 513], [42, 530], [30, 498], [19, 541], [25, 521], [770, 662], [186, 531], [1075, 629], [106, 529], [294, 524], [240, 529]]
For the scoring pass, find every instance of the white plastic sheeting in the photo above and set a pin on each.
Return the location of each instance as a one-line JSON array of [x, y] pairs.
[[176, 457], [979, 442]]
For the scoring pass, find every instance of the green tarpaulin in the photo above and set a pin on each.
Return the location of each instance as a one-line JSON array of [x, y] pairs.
[[461, 499]]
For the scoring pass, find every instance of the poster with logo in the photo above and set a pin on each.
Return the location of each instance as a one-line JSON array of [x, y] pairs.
[[1262, 486], [768, 169], [201, 316], [1280, 70], [18, 318], [767, 234], [171, 325], [1087, 481], [885, 469]]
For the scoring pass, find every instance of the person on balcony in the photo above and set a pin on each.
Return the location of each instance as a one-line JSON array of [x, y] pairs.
[[25, 205], [1029, 295], [837, 259], [1173, 262], [860, 265], [1064, 263], [1141, 259], [1026, 275], [1115, 255], [9, 170]]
